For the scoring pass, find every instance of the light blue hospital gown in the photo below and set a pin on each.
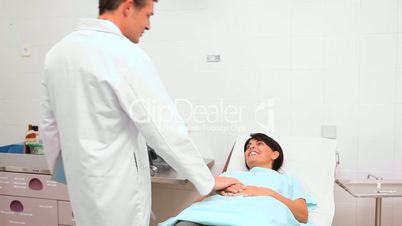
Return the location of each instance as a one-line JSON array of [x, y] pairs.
[[246, 211]]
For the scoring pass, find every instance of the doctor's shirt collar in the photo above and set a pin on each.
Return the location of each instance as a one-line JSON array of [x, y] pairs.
[[98, 25]]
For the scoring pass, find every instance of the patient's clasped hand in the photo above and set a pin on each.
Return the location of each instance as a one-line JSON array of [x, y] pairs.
[[264, 197]]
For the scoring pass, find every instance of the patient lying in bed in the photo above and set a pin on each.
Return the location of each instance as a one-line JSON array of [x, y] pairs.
[[267, 198]]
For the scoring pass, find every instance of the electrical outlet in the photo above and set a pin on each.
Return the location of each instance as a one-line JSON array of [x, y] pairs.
[[26, 51]]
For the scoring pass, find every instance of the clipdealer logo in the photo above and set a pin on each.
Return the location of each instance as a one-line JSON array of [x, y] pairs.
[[265, 115], [215, 116]]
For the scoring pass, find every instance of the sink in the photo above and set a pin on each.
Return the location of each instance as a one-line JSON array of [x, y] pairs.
[[367, 188]]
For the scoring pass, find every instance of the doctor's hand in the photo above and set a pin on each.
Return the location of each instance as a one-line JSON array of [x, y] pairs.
[[256, 191], [232, 190], [222, 183]]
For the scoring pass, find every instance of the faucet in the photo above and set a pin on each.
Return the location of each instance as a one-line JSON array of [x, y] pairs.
[[372, 176], [377, 179]]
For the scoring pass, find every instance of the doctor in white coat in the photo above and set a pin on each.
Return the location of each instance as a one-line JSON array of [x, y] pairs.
[[103, 102]]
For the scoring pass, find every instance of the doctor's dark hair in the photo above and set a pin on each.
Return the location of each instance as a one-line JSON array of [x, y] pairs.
[[272, 144], [110, 5]]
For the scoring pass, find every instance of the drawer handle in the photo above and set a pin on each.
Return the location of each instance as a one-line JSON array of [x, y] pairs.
[[16, 206], [35, 184]]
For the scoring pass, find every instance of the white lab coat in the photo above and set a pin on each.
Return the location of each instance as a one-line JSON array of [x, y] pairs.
[[102, 98]]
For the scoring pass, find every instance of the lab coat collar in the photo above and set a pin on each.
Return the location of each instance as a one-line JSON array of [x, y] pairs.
[[98, 25]]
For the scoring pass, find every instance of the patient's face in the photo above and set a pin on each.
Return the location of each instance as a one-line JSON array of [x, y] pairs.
[[259, 154]]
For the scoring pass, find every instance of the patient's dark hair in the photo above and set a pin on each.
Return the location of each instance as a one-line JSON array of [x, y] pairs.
[[272, 144]]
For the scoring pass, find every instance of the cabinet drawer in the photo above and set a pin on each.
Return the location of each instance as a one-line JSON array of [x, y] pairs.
[[32, 185], [28, 212], [66, 216]]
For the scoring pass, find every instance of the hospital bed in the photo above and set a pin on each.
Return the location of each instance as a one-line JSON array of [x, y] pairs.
[[311, 160]]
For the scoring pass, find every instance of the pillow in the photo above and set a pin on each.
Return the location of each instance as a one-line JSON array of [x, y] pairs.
[[311, 160]]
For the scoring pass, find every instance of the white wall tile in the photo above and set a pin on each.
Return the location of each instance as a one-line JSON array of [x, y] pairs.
[[2, 110], [341, 16], [345, 174], [44, 9], [205, 85], [376, 155], [20, 111], [235, 53], [166, 56], [398, 86], [341, 52], [306, 119], [177, 25], [307, 86], [399, 50], [192, 54], [378, 16], [31, 32], [274, 84], [195, 23], [29, 10], [9, 53], [212, 85], [74, 9], [282, 114], [183, 91], [344, 117], [271, 53], [15, 133], [16, 87], [307, 17], [307, 52], [34, 63], [276, 17], [21, 34], [182, 5], [399, 21], [398, 139], [341, 86], [378, 51], [240, 84], [376, 121], [377, 87], [387, 175]]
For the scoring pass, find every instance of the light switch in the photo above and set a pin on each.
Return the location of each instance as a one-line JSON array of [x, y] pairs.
[[213, 58]]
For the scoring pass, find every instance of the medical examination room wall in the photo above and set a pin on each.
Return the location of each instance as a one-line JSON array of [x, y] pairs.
[[286, 66]]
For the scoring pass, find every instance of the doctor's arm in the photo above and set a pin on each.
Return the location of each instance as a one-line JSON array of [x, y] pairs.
[[48, 130], [144, 98]]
